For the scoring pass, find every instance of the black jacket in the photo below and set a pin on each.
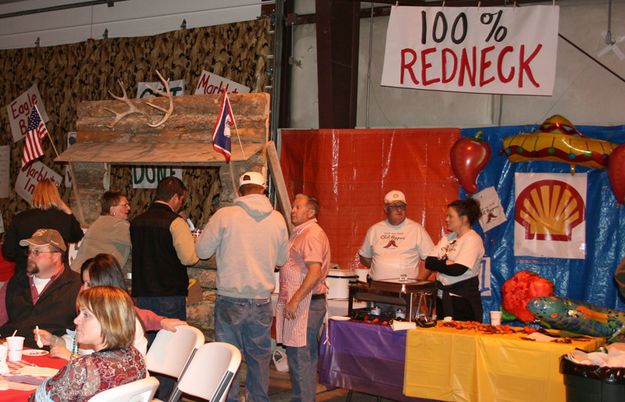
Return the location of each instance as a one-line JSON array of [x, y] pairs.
[[54, 311], [156, 268], [26, 223]]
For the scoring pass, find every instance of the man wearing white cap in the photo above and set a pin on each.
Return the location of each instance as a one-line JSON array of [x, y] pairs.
[[249, 239], [44, 295], [394, 246]]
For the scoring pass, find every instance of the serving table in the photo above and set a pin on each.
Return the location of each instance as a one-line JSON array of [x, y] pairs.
[[363, 357], [19, 392], [448, 364]]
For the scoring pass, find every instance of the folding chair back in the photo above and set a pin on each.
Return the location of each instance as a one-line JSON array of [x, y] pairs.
[[137, 391], [171, 351], [211, 371]]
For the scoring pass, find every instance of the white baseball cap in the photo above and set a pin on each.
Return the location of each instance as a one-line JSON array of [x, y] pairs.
[[252, 178], [394, 196]]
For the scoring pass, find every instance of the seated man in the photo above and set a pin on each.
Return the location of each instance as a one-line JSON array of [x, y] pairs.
[[44, 295], [394, 246]]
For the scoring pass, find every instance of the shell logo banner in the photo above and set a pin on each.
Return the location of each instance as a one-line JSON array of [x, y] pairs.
[[495, 50], [550, 215]]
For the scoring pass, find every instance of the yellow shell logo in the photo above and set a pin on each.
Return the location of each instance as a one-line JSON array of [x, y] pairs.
[[549, 210]]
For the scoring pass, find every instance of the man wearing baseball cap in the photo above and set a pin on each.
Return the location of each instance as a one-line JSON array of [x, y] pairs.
[[249, 239], [46, 294], [394, 246]]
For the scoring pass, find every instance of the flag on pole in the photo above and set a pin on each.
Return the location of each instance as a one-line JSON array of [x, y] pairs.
[[33, 147], [221, 133]]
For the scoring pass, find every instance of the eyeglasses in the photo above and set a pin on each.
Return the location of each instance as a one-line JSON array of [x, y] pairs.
[[37, 252], [395, 206]]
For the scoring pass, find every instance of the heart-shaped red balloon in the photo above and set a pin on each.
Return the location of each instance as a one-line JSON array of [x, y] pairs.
[[616, 172], [468, 158]]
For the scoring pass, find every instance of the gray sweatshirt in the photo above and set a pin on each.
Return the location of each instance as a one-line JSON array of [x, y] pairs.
[[250, 239]]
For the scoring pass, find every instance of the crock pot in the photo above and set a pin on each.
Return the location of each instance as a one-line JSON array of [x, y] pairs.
[[338, 283]]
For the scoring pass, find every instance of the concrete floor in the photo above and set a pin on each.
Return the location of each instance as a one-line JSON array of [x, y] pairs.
[[280, 391]]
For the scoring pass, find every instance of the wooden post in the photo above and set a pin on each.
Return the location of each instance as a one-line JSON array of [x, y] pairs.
[[278, 181]]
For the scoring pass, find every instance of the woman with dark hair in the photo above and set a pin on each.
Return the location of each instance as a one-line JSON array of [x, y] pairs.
[[110, 233], [106, 320], [457, 259], [104, 270]]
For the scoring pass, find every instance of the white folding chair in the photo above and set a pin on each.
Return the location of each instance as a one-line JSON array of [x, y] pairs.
[[137, 391], [210, 373], [171, 351]]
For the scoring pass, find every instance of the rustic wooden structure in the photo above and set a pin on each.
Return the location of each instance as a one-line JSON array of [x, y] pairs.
[[184, 139]]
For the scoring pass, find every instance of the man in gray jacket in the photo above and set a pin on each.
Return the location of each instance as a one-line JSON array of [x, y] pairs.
[[250, 239]]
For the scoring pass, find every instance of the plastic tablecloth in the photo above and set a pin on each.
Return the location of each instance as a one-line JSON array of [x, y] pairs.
[[363, 357], [21, 392], [465, 365]]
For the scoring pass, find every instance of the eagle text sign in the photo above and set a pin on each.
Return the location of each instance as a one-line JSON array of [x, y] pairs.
[[503, 50]]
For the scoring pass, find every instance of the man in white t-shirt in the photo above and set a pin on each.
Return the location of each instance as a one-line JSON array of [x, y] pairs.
[[394, 246]]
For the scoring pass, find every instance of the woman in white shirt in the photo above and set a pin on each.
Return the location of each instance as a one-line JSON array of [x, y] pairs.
[[457, 259]]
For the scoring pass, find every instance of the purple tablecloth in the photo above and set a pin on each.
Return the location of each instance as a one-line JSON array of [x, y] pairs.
[[364, 358]]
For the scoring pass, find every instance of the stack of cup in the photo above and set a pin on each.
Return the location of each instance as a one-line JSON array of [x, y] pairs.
[[15, 344], [495, 318], [4, 369]]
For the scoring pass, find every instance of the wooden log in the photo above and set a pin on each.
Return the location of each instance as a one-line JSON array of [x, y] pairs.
[[254, 104], [248, 135], [138, 123]]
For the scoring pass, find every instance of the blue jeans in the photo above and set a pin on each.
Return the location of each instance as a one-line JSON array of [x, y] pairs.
[[167, 306], [303, 360], [171, 307], [246, 323]]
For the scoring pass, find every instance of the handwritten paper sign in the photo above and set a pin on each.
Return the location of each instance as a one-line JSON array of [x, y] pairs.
[[27, 179], [19, 111], [149, 176], [504, 50], [210, 83], [144, 91]]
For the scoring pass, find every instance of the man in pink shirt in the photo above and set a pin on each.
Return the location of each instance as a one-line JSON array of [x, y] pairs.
[[301, 303]]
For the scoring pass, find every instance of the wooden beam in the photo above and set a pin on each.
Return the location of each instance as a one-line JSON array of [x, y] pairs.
[[278, 181], [338, 31]]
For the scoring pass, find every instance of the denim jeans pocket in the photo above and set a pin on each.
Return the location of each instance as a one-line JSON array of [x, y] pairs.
[[264, 313]]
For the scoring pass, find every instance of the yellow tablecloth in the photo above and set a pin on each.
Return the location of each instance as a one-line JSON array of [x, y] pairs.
[[462, 365]]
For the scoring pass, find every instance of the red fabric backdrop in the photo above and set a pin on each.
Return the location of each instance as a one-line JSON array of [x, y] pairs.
[[350, 170]]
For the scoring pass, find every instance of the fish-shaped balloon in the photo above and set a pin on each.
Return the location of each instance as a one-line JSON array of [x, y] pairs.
[[583, 318]]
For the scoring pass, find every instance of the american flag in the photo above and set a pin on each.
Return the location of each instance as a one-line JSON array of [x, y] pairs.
[[221, 133], [33, 147]]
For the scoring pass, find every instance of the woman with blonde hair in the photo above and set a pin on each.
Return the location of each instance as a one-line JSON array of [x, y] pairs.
[[48, 211], [106, 320]]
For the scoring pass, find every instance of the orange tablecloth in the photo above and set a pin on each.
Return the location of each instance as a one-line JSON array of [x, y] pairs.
[[464, 365], [14, 395]]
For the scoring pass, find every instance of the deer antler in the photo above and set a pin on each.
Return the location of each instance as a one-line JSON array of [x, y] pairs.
[[169, 96], [132, 108]]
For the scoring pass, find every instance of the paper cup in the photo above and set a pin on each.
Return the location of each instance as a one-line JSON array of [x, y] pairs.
[[15, 345], [495, 318]]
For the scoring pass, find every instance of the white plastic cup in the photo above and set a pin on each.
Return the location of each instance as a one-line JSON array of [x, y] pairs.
[[3, 353], [495, 318], [15, 345]]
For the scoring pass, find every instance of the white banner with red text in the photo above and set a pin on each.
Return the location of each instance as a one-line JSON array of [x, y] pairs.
[[495, 50]]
